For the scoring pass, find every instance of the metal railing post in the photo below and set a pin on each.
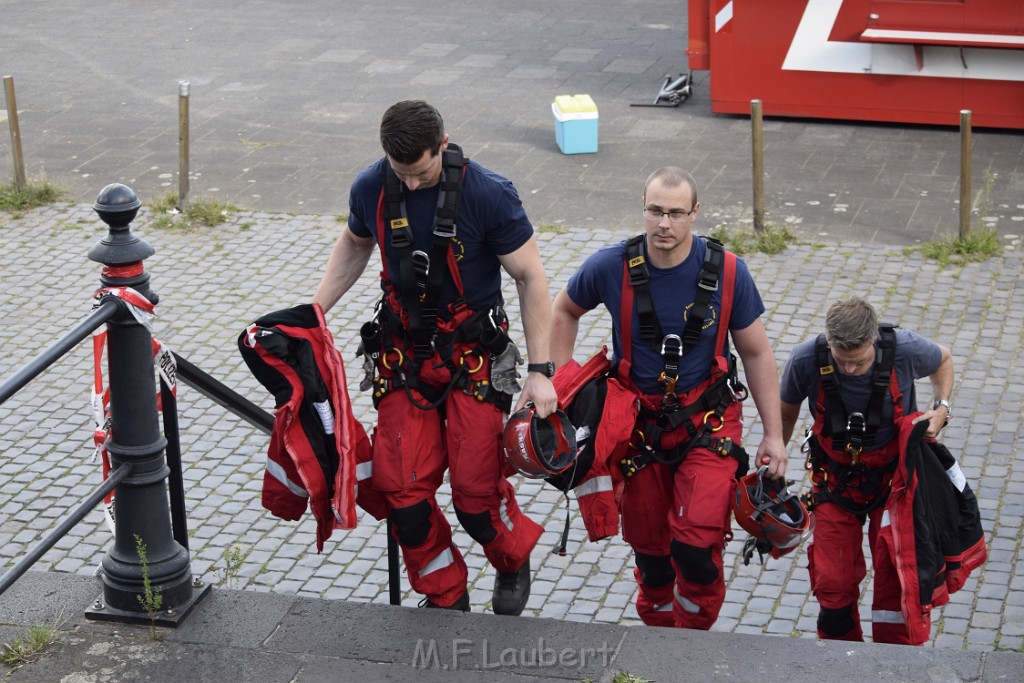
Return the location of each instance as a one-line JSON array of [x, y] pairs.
[[965, 173], [141, 499], [183, 145]]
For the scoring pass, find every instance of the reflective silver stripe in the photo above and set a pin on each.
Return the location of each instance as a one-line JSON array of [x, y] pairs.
[[595, 485], [884, 616], [686, 604], [277, 472], [667, 607], [443, 559], [323, 409], [364, 470], [956, 475], [503, 513], [885, 519]]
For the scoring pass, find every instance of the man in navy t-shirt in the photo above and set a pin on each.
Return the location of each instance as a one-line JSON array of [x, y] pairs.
[[676, 509], [441, 317]]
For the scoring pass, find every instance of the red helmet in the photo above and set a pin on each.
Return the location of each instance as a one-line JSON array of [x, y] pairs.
[[775, 518], [539, 447]]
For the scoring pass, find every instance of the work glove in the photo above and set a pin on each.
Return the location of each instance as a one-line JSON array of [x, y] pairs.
[[368, 368], [503, 370]]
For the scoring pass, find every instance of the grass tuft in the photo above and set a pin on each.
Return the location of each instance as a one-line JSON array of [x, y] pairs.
[[979, 245], [36, 193], [771, 240], [199, 213]]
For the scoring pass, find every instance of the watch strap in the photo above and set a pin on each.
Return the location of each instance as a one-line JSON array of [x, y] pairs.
[[547, 369]]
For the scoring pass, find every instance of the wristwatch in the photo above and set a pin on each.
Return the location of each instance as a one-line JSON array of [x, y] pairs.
[[945, 404], [546, 369]]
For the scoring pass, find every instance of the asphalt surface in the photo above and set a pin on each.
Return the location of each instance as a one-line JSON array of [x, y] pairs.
[[285, 103]]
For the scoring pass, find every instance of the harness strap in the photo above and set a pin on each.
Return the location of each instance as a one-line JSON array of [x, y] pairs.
[[857, 430], [873, 483], [724, 447], [640, 282], [719, 269], [421, 277]]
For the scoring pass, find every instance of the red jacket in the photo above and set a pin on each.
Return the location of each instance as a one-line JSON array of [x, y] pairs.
[[931, 527], [316, 440], [604, 413]]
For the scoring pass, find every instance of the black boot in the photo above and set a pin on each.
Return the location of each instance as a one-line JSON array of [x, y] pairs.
[[460, 605], [511, 591]]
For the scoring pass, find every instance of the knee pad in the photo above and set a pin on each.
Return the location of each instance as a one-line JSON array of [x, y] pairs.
[[412, 524], [694, 563], [655, 570], [836, 622], [477, 525]]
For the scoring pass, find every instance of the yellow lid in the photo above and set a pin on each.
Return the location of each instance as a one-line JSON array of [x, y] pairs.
[[572, 104]]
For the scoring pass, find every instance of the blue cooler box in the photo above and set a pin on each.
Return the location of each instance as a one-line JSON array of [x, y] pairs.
[[575, 124]]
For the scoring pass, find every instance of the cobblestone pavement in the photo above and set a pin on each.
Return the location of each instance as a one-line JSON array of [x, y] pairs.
[[214, 281]]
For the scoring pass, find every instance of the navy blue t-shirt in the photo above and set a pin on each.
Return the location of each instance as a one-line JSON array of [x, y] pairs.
[[916, 357], [599, 281], [491, 222]]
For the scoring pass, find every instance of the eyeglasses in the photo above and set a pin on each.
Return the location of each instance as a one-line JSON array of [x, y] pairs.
[[675, 216]]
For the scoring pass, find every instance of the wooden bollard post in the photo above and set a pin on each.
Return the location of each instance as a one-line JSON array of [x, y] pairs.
[[183, 144], [12, 122], [757, 138]]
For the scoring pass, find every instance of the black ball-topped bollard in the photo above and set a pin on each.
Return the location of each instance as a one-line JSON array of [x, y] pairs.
[[141, 508], [120, 251]]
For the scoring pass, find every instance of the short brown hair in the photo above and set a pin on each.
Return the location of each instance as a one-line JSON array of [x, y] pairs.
[[410, 128], [850, 324], [673, 176]]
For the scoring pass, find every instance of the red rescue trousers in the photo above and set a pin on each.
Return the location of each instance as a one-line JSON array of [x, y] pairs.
[[837, 566], [412, 448], [683, 514]]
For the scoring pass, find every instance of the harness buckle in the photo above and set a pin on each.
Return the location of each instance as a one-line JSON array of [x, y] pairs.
[[444, 229], [855, 426], [631, 464], [421, 267], [401, 234], [724, 447], [708, 281], [676, 342], [671, 351]]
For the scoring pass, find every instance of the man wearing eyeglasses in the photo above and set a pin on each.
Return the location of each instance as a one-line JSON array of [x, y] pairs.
[[445, 227], [674, 298]]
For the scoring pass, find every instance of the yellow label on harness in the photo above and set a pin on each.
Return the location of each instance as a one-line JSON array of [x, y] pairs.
[[636, 261], [827, 370], [397, 223]]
